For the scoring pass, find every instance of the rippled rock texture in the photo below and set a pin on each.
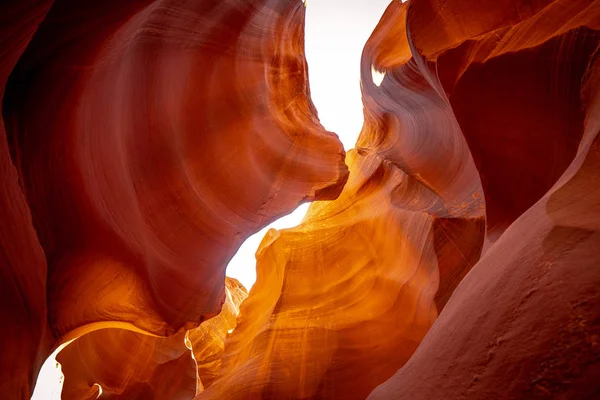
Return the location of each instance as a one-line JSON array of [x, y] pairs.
[[24, 341], [131, 365], [523, 84], [356, 286], [149, 139], [455, 257]]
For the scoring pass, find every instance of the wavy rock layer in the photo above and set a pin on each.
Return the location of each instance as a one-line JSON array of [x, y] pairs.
[[150, 139], [512, 76], [208, 340], [127, 365], [524, 86], [343, 300], [24, 342], [143, 141], [120, 364], [143, 159]]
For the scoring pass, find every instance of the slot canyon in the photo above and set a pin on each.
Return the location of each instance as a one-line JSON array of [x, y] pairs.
[[451, 251]]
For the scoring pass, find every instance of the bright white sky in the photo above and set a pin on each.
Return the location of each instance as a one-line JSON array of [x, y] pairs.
[[336, 32], [50, 380]]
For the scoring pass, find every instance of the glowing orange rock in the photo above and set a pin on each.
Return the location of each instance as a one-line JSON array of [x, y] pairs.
[[165, 133], [512, 76], [525, 88], [356, 281], [408, 123], [164, 153], [525, 322], [343, 300], [146, 139], [123, 364], [127, 365], [208, 340]]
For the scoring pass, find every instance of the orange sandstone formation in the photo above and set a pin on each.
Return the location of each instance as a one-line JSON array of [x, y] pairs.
[[117, 363], [150, 139], [356, 282], [167, 149], [525, 322], [343, 300], [24, 337], [208, 340], [512, 75], [142, 141]]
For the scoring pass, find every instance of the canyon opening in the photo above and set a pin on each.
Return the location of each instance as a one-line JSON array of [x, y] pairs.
[[286, 199]]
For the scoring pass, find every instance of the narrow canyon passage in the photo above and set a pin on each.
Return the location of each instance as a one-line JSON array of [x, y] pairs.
[[334, 40], [430, 168]]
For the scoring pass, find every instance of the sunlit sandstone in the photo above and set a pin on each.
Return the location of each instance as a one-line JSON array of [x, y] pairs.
[[165, 133], [143, 141], [130, 365]]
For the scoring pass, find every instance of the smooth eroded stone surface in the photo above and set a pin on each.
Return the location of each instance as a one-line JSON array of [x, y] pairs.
[[150, 138], [343, 300], [525, 322], [182, 128], [512, 75], [327, 296], [208, 340], [127, 365], [142, 141], [120, 364], [24, 338], [409, 124], [356, 281]]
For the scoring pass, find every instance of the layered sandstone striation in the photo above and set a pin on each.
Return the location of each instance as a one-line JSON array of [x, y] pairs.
[[149, 139], [208, 340], [523, 84], [452, 254], [117, 363], [343, 300], [24, 338]]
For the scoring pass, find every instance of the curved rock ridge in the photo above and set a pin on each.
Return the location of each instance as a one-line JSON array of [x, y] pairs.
[[24, 338], [343, 300], [317, 307], [409, 124], [454, 257], [150, 138], [478, 59], [116, 363], [525, 322], [208, 340]]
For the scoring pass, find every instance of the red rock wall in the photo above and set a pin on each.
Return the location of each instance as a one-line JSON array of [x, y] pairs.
[[116, 363], [141, 142], [127, 365], [24, 342], [343, 300], [524, 323], [150, 139]]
